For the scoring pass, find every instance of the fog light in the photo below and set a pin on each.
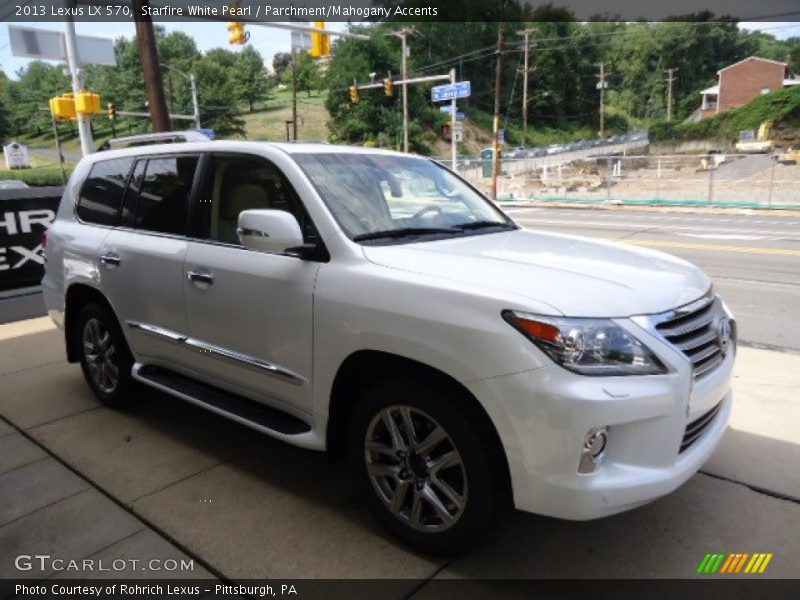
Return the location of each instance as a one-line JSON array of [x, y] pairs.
[[594, 444]]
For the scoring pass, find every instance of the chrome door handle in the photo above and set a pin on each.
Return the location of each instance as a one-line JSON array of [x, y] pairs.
[[204, 278], [110, 260]]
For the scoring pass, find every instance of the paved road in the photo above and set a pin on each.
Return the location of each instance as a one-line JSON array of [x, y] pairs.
[[753, 260]]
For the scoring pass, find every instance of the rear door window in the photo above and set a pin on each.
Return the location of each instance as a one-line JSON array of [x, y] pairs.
[[164, 193], [103, 191]]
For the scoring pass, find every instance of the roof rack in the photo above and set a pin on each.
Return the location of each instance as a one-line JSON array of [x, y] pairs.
[[147, 139]]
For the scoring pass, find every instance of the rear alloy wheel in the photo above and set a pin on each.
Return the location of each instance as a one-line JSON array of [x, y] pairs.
[[424, 465], [104, 356], [101, 356]]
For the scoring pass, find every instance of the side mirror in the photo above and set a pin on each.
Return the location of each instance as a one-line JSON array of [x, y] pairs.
[[271, 231]]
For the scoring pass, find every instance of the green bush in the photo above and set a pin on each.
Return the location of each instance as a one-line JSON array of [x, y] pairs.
[[39, 176], [780, 106]]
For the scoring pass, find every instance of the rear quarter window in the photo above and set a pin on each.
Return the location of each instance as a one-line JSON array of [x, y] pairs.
[[102, 192]]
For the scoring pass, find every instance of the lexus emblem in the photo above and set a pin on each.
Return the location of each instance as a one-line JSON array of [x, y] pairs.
[[724, 335]]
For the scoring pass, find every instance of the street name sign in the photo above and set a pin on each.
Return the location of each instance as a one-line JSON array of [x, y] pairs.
[[442, 93]]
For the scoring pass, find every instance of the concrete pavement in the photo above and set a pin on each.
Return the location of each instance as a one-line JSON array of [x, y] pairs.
[[163, 478]]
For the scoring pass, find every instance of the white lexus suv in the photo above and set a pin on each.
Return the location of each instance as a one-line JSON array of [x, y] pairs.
[[375, 305]]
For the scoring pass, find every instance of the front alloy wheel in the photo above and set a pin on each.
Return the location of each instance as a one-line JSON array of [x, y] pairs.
[[425, 463], [415, 468]]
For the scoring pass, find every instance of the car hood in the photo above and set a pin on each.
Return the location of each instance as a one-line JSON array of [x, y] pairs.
[[579, 277]]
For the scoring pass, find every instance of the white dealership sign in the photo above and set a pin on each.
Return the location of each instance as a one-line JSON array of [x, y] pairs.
[[16, 156]]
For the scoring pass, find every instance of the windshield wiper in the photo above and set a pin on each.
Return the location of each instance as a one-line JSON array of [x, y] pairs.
[[481, 225], [403, 232]]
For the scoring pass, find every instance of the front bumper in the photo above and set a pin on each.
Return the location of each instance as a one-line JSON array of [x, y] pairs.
[[543, 416]]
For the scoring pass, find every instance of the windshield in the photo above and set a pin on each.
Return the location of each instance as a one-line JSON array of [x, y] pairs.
[[399, 198]]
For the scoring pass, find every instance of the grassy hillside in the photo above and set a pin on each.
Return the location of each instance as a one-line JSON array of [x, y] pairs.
[[269, 123], [781, 107]]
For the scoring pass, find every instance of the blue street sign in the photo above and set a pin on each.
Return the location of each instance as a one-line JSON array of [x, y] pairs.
[[501, 136], [442, 93], [448, 108]]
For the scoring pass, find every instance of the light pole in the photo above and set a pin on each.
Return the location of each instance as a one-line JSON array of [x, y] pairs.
[[193, 84], [74, 64]]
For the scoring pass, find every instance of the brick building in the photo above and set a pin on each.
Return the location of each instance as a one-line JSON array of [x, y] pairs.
[[741, 82]]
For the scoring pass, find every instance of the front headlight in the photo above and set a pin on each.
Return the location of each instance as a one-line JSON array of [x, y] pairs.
[[597, 347]]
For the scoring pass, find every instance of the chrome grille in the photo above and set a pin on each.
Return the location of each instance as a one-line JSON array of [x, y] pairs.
[[694, 330], [696, 428]]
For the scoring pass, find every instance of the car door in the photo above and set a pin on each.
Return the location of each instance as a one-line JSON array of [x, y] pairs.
[[141, 261], [250, 314]]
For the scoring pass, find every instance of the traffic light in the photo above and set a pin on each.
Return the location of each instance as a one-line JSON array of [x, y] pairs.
[[353, 94], [238, 34], [388, 86], [63, 107], [87, 103], [320, 42], [112, 111]]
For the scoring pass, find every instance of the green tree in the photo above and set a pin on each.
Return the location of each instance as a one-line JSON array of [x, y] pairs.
[[308, 73], [216, 89], [280, 62], [26, 97], [5, 128], [250, 78], [375, 117]]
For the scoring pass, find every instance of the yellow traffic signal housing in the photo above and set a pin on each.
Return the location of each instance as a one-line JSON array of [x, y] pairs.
[[63, 107], [353, 94], [320, 42], [388, 86], [238, 33], [87, 103], [112, 111]]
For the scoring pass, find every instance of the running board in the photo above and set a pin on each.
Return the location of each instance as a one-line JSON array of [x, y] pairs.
[[235, 407]]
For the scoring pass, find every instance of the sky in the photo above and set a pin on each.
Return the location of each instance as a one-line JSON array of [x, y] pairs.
[[268, 41], [207, 35]]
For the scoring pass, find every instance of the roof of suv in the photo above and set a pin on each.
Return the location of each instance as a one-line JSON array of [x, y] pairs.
[[237, 145]]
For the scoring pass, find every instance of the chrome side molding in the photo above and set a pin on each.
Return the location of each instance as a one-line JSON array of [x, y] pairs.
[[220, 353]]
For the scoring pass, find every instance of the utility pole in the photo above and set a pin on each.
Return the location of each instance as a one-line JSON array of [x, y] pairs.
[[602, 85], [525, 71], [498, 86], [403, 34], [294, 95], [146, 41], [670, 80], [195, 104], [453, 123], [76, 72]]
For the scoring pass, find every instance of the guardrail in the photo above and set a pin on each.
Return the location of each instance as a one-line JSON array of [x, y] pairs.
[[745, 181], [472, 167]]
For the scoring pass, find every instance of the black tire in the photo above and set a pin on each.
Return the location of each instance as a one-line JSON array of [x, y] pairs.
[[476, 475], [97, 320]]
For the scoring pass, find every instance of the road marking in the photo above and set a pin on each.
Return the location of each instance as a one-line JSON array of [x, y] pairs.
[[713, 247], [726, 236], [640, 225], [694, 218]]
